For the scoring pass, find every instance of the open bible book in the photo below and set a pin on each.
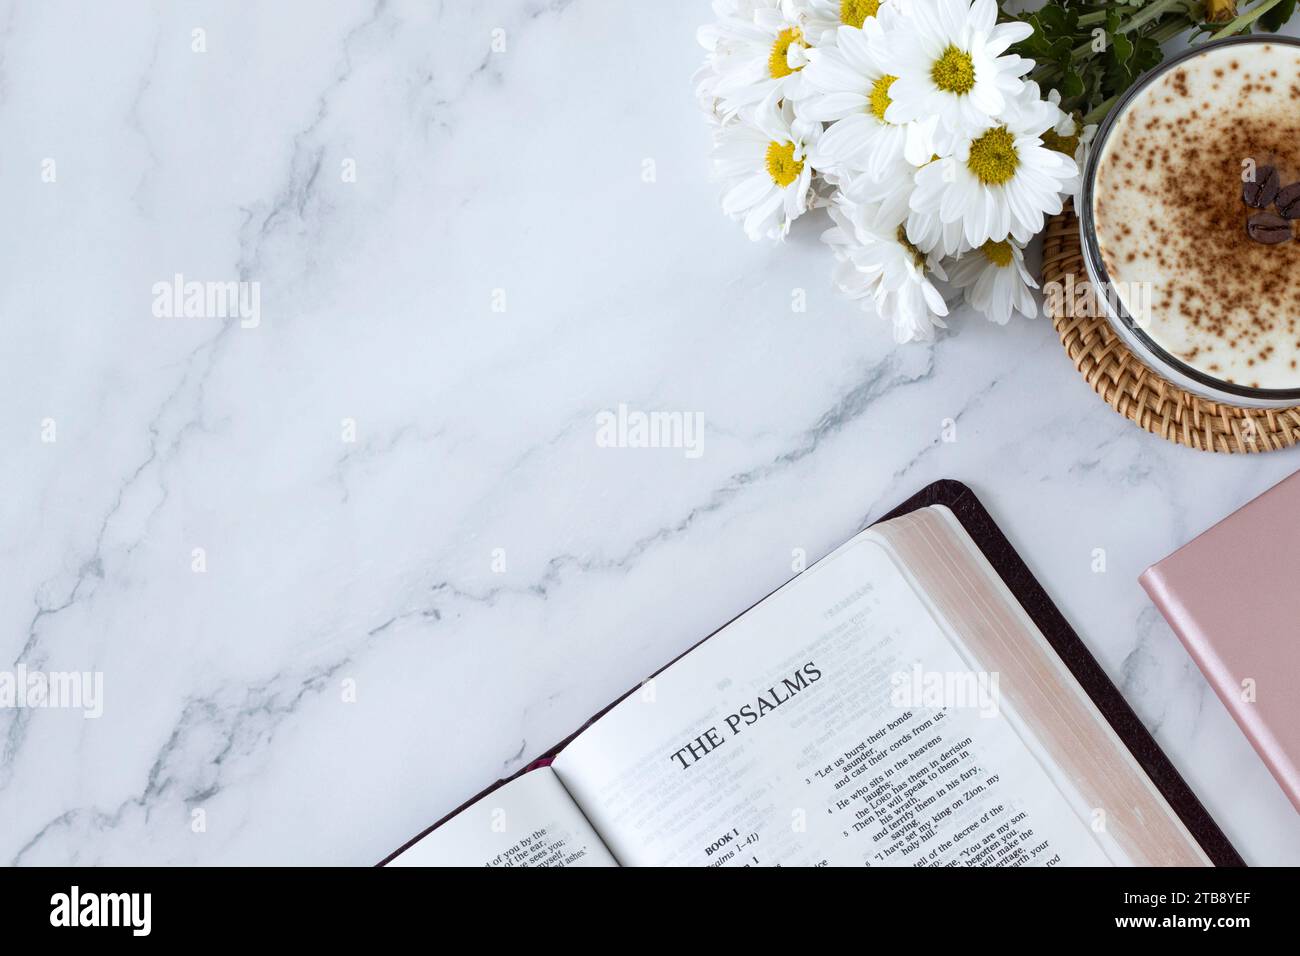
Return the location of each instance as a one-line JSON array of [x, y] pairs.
[[892, 705]]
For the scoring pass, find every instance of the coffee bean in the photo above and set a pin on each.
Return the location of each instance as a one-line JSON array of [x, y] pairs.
[[1288, 201], [1268, 228], [1261, 190]]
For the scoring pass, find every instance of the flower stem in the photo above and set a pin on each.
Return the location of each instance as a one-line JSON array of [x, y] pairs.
[[1168, 31], [1152, 11], [1098, 112]]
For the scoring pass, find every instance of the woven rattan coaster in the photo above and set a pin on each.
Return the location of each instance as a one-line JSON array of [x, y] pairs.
[[1133, 390]]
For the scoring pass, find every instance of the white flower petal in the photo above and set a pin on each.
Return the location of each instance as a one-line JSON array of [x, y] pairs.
[[746, 193]]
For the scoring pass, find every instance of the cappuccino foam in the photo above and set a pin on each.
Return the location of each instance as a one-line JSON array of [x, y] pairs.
[[1170, 218]]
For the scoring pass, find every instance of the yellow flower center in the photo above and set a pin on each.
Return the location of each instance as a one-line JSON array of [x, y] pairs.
[[1062, 144], [918, 257], [993, 156], [781, 164], [954, 71], [854, 13], [998, 253], [880, 96], [778, 63]]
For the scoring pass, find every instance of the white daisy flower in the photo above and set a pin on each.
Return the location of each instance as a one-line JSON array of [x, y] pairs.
[[723, 9], [716, 40], [949, 62], [819, 19], [765, 165], [1066, 136], [885, 272], [1001, 180], [704, 79], [930, 234], [757, 56], [891, 196], [888, 196], [844, 85], [995, 281]]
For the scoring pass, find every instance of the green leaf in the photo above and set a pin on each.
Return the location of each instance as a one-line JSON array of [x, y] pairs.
[[1060, 49], [1071, 84], [1052, 17], [1121, 48], [1149, 54], [1273, 20]]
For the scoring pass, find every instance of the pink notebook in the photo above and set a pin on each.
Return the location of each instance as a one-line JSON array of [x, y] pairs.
[[1233, 597]]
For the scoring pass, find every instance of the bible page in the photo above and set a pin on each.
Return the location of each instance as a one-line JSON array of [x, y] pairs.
[[530, 821], [797, 735]]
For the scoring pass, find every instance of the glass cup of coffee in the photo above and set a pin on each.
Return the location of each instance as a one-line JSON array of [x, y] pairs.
[[1191, 220]]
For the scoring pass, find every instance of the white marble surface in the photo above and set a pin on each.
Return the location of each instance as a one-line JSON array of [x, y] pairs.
[[371, 561]]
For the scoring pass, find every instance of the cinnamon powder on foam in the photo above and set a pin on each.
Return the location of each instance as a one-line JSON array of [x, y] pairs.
[[1169, 212]]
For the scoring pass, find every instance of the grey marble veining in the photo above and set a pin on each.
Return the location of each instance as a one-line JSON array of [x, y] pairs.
[[416, 567]]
